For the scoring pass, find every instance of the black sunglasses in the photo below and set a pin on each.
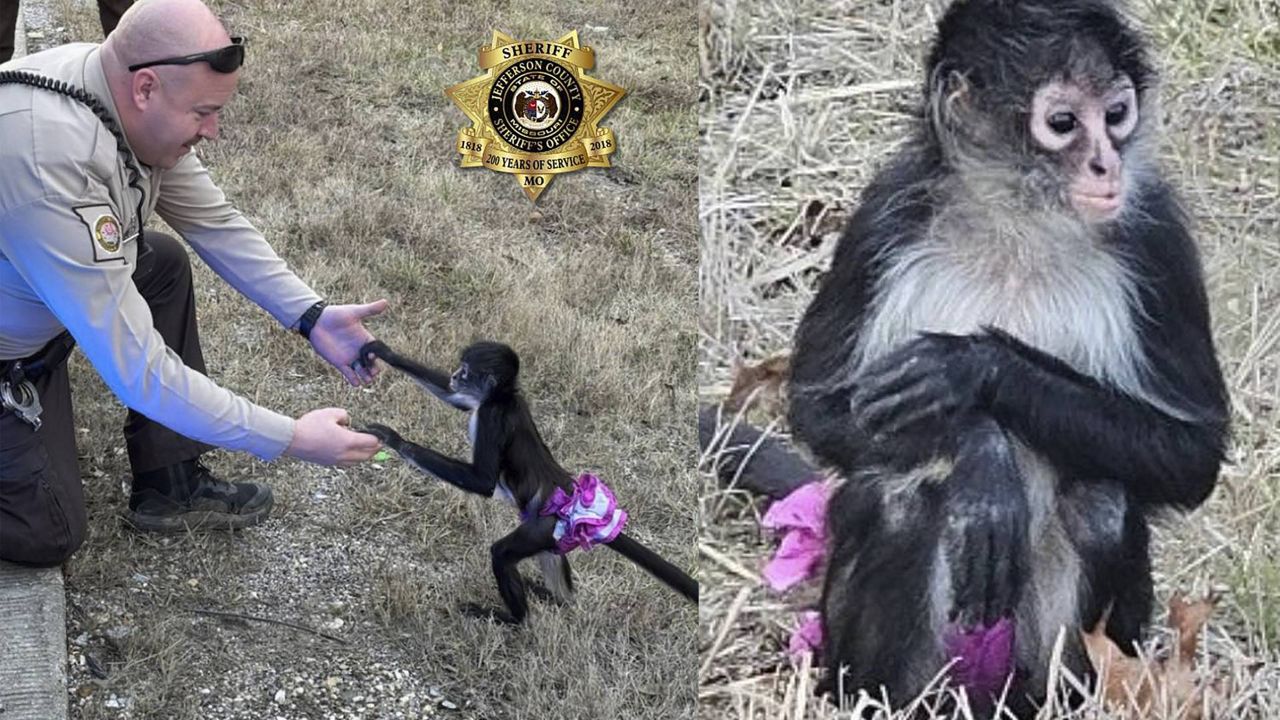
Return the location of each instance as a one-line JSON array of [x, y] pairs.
[[223, 60]]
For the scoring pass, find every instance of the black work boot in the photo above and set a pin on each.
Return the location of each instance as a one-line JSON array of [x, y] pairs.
[[187, 496]]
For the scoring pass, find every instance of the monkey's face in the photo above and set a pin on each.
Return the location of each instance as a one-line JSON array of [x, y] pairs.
[[486, 368], [464, 382], [1084, 127], [471, 387]]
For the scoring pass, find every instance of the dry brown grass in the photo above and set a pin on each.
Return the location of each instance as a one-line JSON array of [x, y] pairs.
[[802, 101], [339, 147]]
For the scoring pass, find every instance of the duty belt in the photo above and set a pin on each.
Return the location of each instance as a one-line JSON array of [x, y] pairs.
[[17, 388]]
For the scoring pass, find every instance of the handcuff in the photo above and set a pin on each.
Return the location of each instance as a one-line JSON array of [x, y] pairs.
[[17, 393]]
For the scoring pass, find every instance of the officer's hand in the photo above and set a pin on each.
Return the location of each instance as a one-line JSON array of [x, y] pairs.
[[338, 336], [322, 437]]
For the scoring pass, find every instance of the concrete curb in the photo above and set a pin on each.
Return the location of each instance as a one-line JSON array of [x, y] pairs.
[[33, 644], [33, 609], [20, 36]]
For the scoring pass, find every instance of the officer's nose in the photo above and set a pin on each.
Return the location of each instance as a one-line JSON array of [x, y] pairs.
[[209, 128]]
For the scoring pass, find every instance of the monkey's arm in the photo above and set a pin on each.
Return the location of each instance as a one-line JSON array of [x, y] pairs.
[[480, 478], [1167, 445], [433, 381], [819, 391], [1169, 454]]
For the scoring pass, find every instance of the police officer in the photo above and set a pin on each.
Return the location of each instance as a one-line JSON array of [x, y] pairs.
[[77, 185], [109, 12]]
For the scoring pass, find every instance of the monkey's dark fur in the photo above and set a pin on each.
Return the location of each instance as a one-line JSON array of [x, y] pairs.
[[1011, 392], [510, 458]]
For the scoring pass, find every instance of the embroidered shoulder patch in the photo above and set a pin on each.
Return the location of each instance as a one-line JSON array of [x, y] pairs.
[[106, 235]]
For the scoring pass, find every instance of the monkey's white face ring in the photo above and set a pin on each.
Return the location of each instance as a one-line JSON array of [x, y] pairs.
[[458, 377], [1084, 129], [1063, 111]]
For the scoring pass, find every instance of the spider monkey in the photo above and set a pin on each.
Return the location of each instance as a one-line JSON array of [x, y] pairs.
[[509, 458], [1010, 362]]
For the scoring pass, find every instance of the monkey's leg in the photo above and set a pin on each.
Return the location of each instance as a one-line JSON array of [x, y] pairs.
[[1110, 534], [558, 578], [987, 546], [1132, 586], [529, 539], [926, 569], [884, 599], [1115, 566]]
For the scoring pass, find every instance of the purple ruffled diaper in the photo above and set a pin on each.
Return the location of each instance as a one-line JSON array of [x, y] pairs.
[[588, 516]]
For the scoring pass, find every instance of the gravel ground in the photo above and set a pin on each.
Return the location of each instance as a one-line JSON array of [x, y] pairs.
[[40, 31], [297, 569]]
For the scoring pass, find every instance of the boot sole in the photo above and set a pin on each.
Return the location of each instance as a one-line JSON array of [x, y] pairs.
[[199, 521]]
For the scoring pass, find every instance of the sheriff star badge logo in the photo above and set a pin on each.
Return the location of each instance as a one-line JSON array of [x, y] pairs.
[[534, 112]]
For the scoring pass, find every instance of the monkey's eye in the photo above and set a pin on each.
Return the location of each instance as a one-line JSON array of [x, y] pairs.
[[1062, 122], [1117, 113]]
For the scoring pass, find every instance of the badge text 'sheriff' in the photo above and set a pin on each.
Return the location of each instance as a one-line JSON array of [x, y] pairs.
[[534, 112]]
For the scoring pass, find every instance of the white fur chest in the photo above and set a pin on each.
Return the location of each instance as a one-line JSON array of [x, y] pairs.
[[1046, 283], [503, 493]]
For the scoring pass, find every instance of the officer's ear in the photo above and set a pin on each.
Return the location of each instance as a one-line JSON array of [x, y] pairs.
[[144, 86]]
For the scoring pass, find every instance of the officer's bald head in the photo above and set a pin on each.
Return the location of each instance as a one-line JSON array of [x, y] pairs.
[[155, 29], [167, 109]]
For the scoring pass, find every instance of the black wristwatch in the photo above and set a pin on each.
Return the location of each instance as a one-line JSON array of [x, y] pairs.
[[309, 318]]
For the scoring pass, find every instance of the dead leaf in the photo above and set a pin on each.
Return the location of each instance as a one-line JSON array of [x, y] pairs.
[[767, 379], [1144, 688], [1188, 619]]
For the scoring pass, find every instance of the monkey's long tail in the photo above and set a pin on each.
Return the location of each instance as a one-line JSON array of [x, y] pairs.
[[651, 561]]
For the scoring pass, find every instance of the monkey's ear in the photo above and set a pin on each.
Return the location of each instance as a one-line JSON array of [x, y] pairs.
[[955, 101], [955, 113]]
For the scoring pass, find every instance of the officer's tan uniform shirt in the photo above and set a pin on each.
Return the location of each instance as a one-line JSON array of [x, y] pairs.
[[68, 243]]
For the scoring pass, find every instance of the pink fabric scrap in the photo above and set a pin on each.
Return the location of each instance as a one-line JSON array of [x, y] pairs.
[[983, 657], [807, 637], [588, 516], [801, 518]]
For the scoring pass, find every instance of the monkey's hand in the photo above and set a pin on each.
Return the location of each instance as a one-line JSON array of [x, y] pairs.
[[338, 336], [324, 437], [921, 386], [985, 532], [374, 349], [389, 437]]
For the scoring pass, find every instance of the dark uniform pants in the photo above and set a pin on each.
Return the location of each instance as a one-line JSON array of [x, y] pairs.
[[42, 514], [109, 12]]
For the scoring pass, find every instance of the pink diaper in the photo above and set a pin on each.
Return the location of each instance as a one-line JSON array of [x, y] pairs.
[[590, 515]]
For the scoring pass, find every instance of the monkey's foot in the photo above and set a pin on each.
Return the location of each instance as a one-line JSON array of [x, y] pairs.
[[481, 612], [540, 591]]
